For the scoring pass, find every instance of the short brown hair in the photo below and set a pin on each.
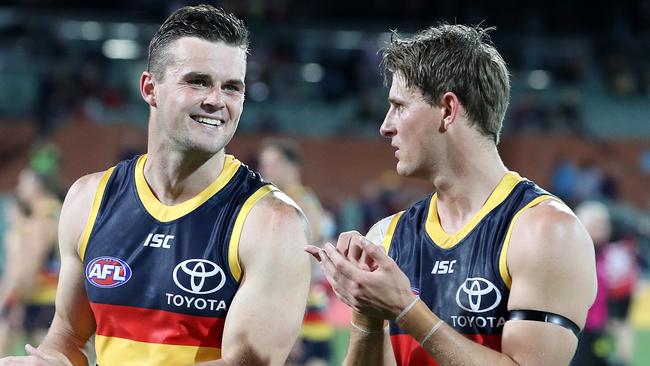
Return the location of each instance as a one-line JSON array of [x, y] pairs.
[[202, 21], [458, 59], [289, 149]]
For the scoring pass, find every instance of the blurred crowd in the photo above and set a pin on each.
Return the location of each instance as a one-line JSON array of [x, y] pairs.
[[75, 70]]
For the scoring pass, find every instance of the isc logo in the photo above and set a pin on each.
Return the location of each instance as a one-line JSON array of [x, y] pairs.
[[158, 240], [443, 267], [108, 272]]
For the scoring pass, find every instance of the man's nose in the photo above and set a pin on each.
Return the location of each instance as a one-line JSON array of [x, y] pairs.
[[213, 100]]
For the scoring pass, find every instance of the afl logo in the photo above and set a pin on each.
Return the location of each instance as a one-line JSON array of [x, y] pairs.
[[108, 272], [199, 276], [478, 295]]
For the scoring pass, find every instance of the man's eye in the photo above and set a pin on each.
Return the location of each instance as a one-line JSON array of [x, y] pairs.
[[199, 82], [232, 88]]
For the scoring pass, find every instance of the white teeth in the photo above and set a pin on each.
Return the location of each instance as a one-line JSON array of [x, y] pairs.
[[209, 121]]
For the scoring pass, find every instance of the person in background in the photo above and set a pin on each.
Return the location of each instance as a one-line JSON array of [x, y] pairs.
[[594, 346], [280, 161], [28, 285]]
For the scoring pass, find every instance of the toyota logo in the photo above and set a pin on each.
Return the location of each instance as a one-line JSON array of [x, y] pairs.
[[199, 276], [478, 295]]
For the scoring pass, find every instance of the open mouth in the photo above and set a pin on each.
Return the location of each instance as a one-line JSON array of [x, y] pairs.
[[208, 121]]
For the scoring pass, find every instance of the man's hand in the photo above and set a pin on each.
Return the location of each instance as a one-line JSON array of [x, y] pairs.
[[363, 276], [35, 357]]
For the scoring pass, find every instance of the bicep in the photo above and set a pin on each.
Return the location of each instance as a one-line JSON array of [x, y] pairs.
[[267, 310], [73, 321], [551, 262], [537, 343]]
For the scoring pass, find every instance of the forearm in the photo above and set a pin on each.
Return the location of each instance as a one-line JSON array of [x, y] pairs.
[[368, 343], [443, 343], [66, 347], [244, 356], [449, 347]]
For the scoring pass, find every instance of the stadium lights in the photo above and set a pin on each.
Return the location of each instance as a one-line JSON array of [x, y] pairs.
[[312, 73], [538, 79], [121, 49]]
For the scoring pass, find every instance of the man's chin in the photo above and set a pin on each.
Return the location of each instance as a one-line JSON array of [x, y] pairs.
[[402, 169]]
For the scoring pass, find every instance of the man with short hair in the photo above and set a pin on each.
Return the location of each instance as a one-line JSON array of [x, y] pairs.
[[488, 270], [182, 255]]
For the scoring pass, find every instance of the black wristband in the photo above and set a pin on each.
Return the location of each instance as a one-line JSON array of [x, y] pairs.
[[543, 316]]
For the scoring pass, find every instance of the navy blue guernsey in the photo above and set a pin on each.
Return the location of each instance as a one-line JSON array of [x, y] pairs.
[[461, 277], [160, 279]]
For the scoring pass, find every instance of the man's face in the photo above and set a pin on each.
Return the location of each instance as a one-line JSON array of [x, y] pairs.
[[411, 124], [200, 100]]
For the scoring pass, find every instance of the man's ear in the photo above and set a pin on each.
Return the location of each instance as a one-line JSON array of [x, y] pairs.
[[147, 88], [449, 108]]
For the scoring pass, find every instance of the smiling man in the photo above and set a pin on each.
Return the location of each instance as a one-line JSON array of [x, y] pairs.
[[182, 255], [488, 270]]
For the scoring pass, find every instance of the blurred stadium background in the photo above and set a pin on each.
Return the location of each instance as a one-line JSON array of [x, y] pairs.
[[578, 122]]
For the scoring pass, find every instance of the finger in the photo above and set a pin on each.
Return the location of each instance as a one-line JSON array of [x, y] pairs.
[[376, 253], [355, 249], [366, 262], [328, 266], [314, 251], [32, 351], [338, 282], [343, 244], [341, 264]]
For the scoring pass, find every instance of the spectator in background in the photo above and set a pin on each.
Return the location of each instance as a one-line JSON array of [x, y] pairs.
[[594, 347], [622, 274], [280, 162], [28, 285], [618, 273]]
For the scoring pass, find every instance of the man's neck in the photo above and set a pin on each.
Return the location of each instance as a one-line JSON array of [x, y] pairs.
[[175, 177], [464, 187]]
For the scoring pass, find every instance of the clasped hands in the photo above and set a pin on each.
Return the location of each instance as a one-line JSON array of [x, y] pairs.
[[363, 276]]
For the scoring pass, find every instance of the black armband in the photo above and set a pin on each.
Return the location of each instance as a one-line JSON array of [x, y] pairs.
[[546, 317]]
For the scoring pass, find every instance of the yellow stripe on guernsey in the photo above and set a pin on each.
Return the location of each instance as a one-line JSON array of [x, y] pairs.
[[503, 265], [446, 241], [164, 213], [233, 246], [94, 209], [126, 352], [391, 229]]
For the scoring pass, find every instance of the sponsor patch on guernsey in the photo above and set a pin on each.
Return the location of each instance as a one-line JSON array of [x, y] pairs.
[[108, 272]]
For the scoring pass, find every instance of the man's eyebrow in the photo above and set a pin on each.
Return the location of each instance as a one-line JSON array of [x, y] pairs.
[[204, 76], [196, 75], [237, 82]]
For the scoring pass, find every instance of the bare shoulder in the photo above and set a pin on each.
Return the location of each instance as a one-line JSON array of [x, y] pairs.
[[276, 207], [76, 208], [551, 261], [274, 218], [550, 229]]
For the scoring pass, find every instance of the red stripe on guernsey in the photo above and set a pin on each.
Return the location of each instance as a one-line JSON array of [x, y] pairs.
[[157, 326], [408, 352]]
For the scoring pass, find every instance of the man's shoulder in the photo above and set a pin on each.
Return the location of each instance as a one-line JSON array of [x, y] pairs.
[[77, 206], [86, 186], [276, 205], [549, 218], [549, 235]]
